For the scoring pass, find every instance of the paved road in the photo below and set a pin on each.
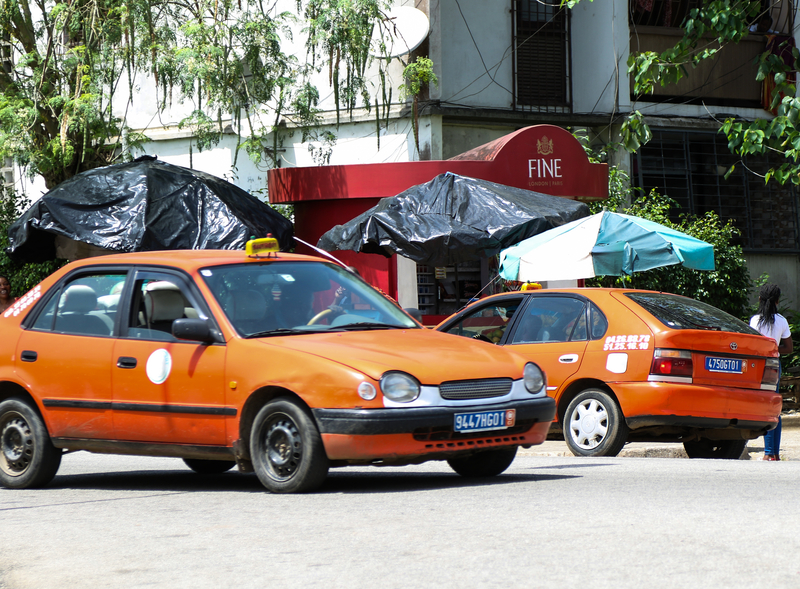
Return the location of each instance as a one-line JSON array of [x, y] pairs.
[[549, 522]]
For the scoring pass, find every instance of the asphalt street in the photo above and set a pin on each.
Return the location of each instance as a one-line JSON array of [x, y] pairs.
[[549, 521]]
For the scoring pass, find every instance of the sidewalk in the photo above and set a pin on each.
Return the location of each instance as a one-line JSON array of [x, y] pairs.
[[790, 445]]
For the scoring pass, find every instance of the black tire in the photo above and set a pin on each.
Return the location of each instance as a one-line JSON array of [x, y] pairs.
[[209, 466], [594, 425], [724, 449], [488, 463], [28, 458], [286, 448]]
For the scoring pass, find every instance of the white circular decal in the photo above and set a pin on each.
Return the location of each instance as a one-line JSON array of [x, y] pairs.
[[159, 365]]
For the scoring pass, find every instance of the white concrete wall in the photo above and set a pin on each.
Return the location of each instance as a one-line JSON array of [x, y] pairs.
[[600, 49], [472, 50]]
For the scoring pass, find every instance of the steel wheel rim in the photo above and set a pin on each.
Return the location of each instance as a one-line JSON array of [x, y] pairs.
[[282, 448], [16, 444], [588, 424]]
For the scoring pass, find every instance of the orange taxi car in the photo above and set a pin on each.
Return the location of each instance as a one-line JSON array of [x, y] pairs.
[[284, 364], [633, 365]]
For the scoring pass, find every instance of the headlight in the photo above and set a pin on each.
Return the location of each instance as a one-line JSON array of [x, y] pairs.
[[533, 377], [399, 387]]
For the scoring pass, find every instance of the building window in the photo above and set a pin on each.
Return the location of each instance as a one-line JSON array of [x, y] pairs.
[[690, 168], [541, 40]]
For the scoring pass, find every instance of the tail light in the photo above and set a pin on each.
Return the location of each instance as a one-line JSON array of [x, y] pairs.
[[672, 363], [772, 370]]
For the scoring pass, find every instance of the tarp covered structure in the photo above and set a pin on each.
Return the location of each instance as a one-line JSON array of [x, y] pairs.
[[144, 205], [452, 219]]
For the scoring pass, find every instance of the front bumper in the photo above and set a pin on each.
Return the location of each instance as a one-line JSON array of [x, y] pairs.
[[402, 436]]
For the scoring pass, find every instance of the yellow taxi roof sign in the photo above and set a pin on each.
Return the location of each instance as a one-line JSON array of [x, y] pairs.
[[258, 247]]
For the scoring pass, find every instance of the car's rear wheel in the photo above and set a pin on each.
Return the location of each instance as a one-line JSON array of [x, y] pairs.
[[594, 425], [209, 466], [28, 458], [489, 463], [286, 448], [705, 448]]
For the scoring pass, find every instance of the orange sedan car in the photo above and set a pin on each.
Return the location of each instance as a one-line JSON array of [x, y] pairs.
[[283, 364], [633, 365]]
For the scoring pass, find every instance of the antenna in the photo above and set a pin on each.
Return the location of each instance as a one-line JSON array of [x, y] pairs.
[[403, 30]]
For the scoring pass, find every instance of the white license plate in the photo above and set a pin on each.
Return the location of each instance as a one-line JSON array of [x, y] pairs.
[[729, 365], [482, 421]]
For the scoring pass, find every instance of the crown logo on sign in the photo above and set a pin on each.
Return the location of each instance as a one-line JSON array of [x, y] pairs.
[[544, 145]]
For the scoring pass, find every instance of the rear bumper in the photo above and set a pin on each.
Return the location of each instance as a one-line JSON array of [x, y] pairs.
[[402, 436], [688, 421], [697, 406]]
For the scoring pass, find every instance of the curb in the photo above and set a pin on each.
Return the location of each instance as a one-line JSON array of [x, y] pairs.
[[790, 420]]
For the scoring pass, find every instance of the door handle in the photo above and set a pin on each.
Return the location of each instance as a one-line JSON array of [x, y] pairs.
[[29, 356], [568, 358], [126, 362]]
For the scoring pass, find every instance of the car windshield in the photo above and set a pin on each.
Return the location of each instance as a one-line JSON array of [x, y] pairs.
[[284, 298], [684, 313]]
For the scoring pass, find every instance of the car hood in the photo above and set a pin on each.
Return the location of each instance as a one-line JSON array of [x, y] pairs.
[[430, 356]]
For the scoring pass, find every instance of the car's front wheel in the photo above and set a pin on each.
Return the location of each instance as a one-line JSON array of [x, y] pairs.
[[209, 466], [489, 463], [725, 449], [286, 448], [28, 458], [594, 425]]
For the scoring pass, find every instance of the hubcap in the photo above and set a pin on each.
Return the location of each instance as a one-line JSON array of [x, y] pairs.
[[16, 444], [283, 447], [588, 424]]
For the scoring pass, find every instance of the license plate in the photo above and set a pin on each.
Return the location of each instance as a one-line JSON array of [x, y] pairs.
[[729, 365], [482, 421]]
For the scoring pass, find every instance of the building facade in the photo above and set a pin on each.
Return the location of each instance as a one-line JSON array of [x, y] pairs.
[[503, 65]]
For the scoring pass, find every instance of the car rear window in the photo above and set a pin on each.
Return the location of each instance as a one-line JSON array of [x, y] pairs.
[[684, 313]]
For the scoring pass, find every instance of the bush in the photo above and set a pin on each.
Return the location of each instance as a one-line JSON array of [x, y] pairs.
[[23, 277]]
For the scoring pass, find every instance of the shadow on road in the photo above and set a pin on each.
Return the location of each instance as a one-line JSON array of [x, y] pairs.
[[338, 481]]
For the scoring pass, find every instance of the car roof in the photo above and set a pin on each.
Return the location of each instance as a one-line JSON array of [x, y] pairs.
[[585, 291], [190, 259]]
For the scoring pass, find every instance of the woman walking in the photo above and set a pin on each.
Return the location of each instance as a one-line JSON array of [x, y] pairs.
[[772, 324]]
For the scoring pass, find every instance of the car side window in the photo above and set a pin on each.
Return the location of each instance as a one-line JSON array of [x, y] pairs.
[[552, 319], [86, 305], [487, 323], [156, 302], [598, 321]]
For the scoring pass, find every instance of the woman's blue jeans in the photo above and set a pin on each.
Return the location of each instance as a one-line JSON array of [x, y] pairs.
[[772, 439]]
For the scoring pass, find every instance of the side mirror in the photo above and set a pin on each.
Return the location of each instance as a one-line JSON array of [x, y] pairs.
[[197, 330]]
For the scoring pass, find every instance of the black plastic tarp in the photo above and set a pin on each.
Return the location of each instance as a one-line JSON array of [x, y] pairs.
[[145, 205], [452, 219]]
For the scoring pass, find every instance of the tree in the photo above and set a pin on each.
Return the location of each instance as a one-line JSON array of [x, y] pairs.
[[707, 29], [74, 61]]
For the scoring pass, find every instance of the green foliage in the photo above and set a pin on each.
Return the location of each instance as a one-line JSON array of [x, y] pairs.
[[417, 75], [23, 277], [72, 60]]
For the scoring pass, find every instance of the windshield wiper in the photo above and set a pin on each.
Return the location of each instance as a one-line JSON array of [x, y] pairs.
[[363, 325], [283, 331]]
